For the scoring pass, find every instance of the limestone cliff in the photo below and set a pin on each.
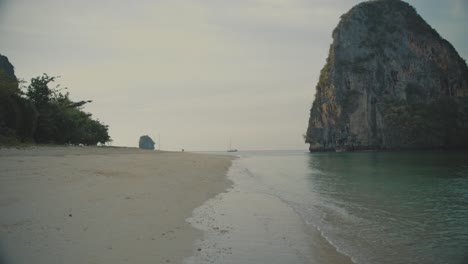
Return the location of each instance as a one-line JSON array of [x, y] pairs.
[[390, 82], [18, 117], [6, 68]]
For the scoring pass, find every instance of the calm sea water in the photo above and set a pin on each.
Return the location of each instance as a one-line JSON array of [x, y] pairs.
[[375, 207]]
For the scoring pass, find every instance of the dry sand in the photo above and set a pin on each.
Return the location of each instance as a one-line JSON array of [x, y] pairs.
[[102, 205]]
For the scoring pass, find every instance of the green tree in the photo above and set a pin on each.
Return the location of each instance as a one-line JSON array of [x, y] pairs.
[[61, 120]]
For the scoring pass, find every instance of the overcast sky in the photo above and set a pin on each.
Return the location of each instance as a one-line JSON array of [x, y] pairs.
[[196, 72]]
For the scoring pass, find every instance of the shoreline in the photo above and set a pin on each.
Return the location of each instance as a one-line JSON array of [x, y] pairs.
[[322, 246], [103, 205], [250, 224]]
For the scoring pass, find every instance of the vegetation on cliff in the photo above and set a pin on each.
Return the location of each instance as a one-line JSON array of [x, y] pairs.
[[43, 114], [440, 123]]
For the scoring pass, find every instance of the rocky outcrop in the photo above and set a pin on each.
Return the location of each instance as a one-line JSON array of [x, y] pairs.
[[146, 142], [6, 68], [18, 117], [390, 82]]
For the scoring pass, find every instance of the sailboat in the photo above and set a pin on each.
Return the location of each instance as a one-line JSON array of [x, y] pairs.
[[230, 149]]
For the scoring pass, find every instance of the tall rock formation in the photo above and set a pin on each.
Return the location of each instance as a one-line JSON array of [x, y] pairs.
[[7, 70], [390, 82], [18, 117]]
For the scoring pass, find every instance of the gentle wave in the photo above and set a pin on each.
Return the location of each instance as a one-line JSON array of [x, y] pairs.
[[373, 207]]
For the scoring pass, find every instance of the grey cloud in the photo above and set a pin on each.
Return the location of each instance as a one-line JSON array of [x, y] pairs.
[[198, 72]]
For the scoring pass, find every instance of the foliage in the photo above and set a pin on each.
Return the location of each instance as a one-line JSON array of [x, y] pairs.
[[435, 124], [323, 78], [415, 93], [43, 114], [62, 121], [38, 92]]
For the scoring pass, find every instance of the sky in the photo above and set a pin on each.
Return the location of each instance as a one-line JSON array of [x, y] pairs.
[[192, 74]]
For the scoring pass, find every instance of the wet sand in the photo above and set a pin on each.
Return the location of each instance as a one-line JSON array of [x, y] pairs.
[[103, 205], [249, 225]]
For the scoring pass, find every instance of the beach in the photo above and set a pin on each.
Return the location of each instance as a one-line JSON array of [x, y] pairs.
[[256, 222], [361, 207], [103, 204], [124, 205]]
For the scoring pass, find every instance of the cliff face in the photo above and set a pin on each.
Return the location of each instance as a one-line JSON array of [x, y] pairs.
[[7, 67], [8, 99], [390, 82], [18, 117], [8, 81]]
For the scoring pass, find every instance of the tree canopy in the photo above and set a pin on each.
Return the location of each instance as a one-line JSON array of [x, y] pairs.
[[43, 113], [61, 120]]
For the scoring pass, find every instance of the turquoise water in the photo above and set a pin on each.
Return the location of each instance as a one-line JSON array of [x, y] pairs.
[[393, 207], [375, 207]]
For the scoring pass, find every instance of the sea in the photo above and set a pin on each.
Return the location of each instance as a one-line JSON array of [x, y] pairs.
[[360, 207]]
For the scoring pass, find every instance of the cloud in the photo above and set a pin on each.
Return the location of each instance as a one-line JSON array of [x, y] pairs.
[[198, 72], [460, 9]]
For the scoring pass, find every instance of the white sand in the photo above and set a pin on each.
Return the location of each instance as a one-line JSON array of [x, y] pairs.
[[102, 205]]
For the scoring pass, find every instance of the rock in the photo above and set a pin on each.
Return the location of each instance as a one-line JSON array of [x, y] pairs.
[[390, 82], [18, 116], [146, 142], [7, 69]]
